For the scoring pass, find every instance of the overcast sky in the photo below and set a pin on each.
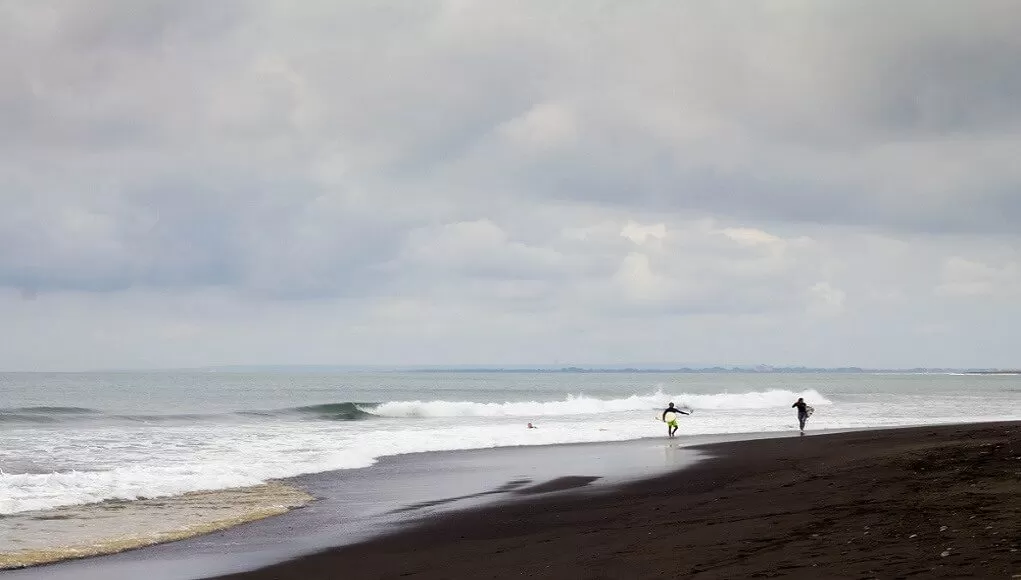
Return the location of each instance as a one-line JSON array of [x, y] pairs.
[[194, 182]]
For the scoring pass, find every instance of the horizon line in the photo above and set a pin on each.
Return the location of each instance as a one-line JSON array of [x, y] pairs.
[[551, 368]]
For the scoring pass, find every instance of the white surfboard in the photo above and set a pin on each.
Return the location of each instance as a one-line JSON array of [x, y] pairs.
[[670, 417]]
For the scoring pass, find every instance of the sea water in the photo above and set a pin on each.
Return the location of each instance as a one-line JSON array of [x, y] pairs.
[[80, 447]]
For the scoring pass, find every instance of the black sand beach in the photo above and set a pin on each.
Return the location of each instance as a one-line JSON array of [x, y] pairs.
[[902, 503]]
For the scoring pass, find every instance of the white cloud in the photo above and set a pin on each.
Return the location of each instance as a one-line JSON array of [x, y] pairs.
[[638, 281], [476, 248], [544, 126], [825, 300], [750, 236], [965, 278], [640, 234]]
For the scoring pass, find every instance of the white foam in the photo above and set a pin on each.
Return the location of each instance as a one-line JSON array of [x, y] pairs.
[[130, 462], [582, 405], [111, 466], [242, 456]]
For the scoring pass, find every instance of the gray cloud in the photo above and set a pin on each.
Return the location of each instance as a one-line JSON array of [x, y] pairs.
[[827, 114], [507, 178]]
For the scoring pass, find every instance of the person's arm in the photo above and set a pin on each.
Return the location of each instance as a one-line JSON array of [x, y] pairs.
[[682, 412], [664, 414], [794, 405]]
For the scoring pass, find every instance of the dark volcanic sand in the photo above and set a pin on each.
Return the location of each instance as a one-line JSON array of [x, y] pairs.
[[904, 503]]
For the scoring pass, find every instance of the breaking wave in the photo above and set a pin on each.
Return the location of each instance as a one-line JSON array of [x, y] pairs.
[[354, 411], [582, 405], [336, 411]]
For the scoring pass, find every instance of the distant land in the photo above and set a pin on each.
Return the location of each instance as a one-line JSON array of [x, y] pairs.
[[739, 370], [718, 369]]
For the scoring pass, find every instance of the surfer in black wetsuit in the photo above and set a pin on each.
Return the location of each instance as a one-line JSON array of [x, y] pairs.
[[802, 413], [671, 426]]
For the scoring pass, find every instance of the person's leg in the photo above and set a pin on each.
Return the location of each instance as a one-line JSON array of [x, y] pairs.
[[801, 421]]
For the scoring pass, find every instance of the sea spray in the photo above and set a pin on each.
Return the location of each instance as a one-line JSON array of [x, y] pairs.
[[583, 405]]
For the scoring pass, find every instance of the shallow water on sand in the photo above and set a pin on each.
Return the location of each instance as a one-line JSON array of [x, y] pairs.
[[352, 505], [38, 537]]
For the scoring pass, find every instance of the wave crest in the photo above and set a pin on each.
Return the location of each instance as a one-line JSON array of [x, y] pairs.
[[336, 411], [583, 405]]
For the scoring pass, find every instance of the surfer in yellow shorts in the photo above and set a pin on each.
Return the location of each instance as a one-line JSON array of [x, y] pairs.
[[671, 421]]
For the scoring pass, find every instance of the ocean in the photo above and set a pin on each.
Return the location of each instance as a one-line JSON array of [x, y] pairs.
[[85, 455]]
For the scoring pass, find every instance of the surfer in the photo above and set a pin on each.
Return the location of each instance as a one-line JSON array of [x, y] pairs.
[[802, 413], [671, 424]]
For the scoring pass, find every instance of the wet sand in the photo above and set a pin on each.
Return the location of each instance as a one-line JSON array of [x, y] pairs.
[[356, 504], [82, 531], [925, 502]]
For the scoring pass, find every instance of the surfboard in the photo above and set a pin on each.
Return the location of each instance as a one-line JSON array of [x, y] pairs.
[[670, 417], [809, 410]]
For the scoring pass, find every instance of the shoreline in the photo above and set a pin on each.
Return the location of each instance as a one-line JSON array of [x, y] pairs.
[[81, 546], [398, 491], [875, 503], [568, 470], [84, 531]]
